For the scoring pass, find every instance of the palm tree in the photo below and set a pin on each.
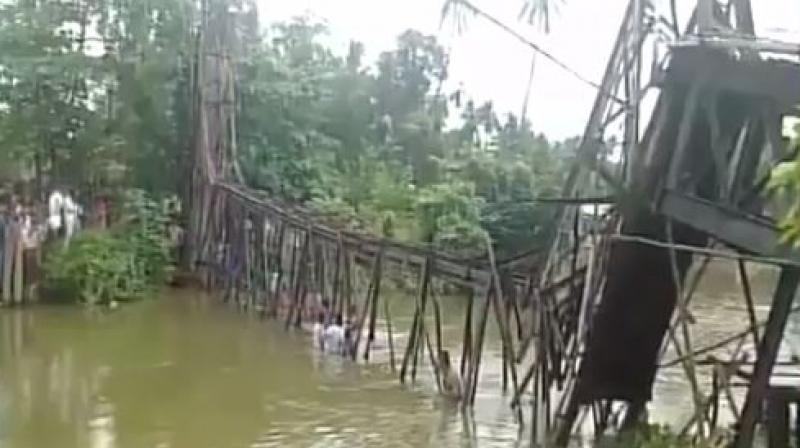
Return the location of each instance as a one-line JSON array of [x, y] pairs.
[[536, 12]]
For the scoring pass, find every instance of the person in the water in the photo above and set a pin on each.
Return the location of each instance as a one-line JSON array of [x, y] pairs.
[[451, 382], [333, 340]]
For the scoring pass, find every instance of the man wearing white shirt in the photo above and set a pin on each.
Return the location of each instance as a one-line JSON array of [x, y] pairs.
[[333, 337], [55, 209]]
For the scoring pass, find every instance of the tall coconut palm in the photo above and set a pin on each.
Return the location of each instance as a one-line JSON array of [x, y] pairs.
[[535, 12], [538, 13]]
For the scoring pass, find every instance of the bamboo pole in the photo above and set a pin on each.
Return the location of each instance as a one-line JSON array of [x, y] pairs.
[[683, 319], [19, 267], [337, 282], [412, 335], [378, 274], [502, 319], [278, 264], [477, 350], [437, 313], [298, 280], [466, 343], [367, 306], [308, 274], [748, 297], [347, 285], [423, 301], [410, 345], [390, 336], [9, 249], [433, 360]]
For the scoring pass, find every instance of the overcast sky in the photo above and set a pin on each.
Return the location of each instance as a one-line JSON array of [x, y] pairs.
[[491, 65]]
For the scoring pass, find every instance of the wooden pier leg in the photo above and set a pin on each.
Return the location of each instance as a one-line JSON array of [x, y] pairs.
[[767, 353], [477, 349], [410, 349], [8, 262], [19, 269], [423, 301], [337, 274], [376, 293], [748, 296], [389, 335], [466, 351]]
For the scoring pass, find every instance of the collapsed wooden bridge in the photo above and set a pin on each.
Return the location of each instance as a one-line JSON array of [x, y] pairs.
[[689, 188]]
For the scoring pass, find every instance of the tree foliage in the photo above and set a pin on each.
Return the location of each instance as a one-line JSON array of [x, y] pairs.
[[385, 148], [123, 263], [96, 93], [92, 91]]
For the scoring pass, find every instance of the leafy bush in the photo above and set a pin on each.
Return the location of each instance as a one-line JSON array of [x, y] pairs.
[[123, 263]]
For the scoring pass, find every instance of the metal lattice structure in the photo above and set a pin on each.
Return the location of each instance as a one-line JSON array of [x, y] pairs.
[[585, 330]]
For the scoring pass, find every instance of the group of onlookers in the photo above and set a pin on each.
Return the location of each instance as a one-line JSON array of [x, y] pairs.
[[25, 226]]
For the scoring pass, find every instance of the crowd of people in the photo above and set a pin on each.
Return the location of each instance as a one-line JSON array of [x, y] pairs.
[[26, 225]]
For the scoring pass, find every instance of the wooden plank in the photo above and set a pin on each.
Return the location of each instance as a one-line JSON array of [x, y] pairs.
[[19, 269], [767, 354], [747, 232], [8, 261]]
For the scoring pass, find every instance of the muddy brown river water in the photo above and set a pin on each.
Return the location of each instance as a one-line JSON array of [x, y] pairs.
[[187, 371]]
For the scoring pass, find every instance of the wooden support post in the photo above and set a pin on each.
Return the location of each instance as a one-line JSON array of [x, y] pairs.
[[437, 316], [683, 319], [410, 346], [337, 273], [368, 308], [748, 297], [502, 320], [477, 350], [275, 288], [411, 349], [19, 268], [376, 288], [347, 284], [423, 302], [292, 263], [9, 249], [299, 281], [389, 336], [466, 351], [767, 354], [433, 360]]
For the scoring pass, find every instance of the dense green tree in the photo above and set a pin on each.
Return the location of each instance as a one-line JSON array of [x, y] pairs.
[[94, 92]]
